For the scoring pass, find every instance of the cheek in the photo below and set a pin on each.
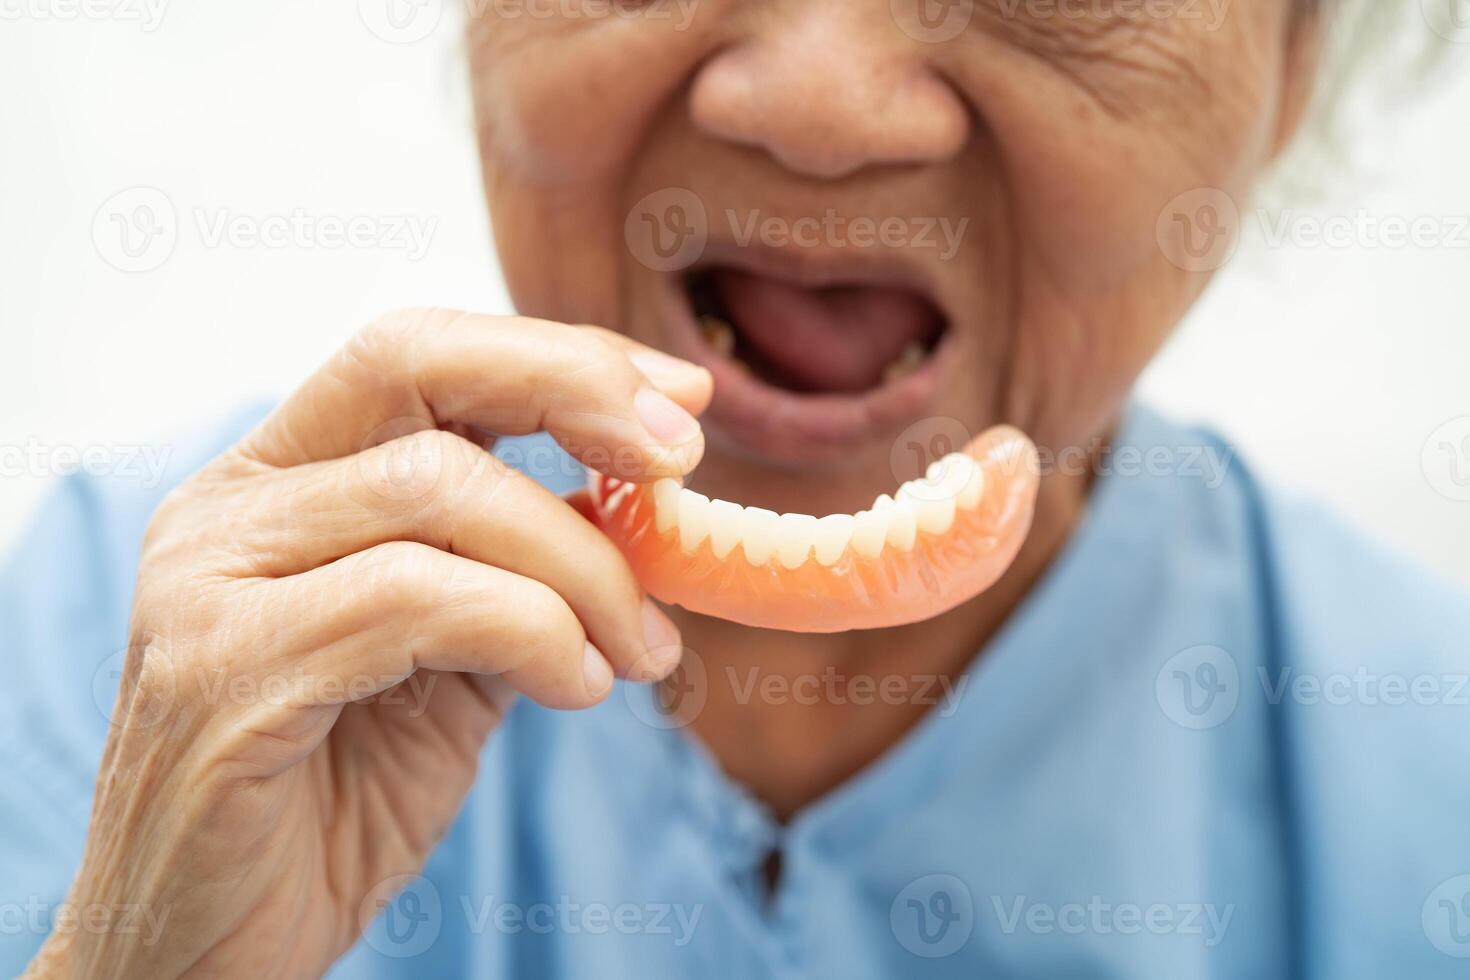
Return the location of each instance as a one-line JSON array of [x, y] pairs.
[[562, 109], [562, 104], [1091, 157]]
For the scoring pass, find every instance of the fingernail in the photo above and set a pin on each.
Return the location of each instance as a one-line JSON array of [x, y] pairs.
[[664, 420], [597, 673], [662, 368]]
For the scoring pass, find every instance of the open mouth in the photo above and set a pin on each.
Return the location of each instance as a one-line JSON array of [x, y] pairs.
[[843, 338]]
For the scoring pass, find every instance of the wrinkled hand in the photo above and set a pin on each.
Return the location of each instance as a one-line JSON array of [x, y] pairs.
[[332, 617]]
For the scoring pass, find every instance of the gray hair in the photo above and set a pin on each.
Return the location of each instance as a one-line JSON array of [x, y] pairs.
[[1377, 58]]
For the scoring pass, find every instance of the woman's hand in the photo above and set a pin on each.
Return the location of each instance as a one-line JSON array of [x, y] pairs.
[[331, 618]]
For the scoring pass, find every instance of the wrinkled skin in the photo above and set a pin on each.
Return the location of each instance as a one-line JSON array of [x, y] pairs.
[[362, 536]]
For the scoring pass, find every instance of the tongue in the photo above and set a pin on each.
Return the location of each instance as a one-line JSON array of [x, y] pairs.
[[834, 339]]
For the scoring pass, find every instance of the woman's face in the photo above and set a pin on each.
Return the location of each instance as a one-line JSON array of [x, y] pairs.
[[917, 217]]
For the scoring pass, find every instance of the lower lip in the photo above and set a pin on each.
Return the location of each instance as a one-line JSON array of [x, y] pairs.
[[760, 420]]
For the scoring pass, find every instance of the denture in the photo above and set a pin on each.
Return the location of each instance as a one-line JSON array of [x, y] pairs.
[[935, 543]]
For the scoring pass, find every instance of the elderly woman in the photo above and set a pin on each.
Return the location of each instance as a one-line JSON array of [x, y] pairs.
[[366, 714]]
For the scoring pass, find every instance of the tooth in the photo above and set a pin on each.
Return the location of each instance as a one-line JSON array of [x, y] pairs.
[[906, 363], [903, 525], [666, 504], [833, 533], [948, 477], [758, 531], [796, 533], [933, 509], [974, 488], [718, 334], [693, 520], [724, 527], [869, 531]]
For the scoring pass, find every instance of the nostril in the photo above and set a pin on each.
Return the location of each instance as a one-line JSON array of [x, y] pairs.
[[830, 110]]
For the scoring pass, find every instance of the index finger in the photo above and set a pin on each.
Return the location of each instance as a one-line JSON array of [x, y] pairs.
[[617, 406]]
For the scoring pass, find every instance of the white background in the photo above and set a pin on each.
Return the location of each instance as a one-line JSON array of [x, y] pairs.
[[1332, 368]]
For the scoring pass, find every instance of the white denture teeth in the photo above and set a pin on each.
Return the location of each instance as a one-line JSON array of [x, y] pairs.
[[759, 529], [724, 527], [796, 534], [666, 504], [933, 507], [833, 534], [869, 532], [930, 504], [693, 520], [903, 522]]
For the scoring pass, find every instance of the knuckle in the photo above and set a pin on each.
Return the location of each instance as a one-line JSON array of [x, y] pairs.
[[418, 467], [397, 576]]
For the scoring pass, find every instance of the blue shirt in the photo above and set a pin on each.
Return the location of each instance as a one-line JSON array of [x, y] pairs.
[[1223, 737]]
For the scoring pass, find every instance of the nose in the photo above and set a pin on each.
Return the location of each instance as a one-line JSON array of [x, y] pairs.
[[830, 93]]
